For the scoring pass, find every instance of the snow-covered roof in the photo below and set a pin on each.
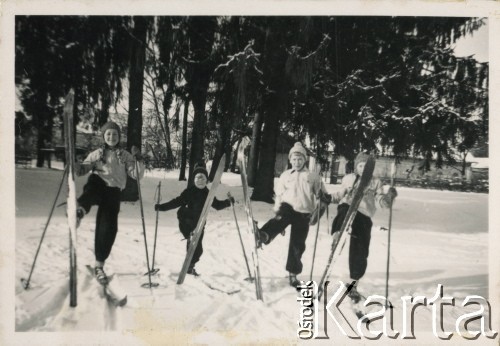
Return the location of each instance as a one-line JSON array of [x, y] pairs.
[[477, 162]]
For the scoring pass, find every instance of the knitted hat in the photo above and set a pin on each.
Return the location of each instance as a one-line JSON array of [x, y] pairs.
[[298, 149], [111, 125], [200, 168], [361, 157]]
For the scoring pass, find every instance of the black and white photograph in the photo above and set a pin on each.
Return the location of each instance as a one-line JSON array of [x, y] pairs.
[[249, 173]]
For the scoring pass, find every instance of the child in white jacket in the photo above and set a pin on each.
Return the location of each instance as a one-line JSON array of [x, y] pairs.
[[295, 200]]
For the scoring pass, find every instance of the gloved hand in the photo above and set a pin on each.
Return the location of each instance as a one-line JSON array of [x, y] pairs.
[[392, 192], [79, 169], [136, 153], [325, 197], [159, 207], [389, 196], [231, 199], [83, 168]]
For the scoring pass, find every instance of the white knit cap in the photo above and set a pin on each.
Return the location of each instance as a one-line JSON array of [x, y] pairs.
[[298, 149]]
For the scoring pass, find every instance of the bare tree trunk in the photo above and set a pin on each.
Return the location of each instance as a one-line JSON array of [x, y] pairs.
[[167, 103], [264, 190], [166, 133], [167, 64], [223, 145], [136, 78], [198, 75], [464, 163], [182, 172], [164, 129], [44, 128], [253, 158], [104, 112], [198, 134]]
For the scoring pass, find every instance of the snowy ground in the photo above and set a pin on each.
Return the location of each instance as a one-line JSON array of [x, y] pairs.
[[438, 237]]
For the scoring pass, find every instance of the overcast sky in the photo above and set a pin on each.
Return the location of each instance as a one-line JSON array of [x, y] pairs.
[[476, 44]]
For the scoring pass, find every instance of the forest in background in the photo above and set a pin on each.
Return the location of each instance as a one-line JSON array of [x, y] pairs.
[[388, 85]]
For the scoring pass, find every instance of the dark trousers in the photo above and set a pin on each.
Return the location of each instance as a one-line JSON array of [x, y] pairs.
[[298, 234], [96, 192], [360, 240], [187, 226]]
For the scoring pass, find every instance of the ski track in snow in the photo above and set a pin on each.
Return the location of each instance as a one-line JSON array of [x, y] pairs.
[[428, 247]]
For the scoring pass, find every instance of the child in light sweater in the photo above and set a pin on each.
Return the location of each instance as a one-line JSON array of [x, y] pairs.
[[110, 166], [362, 224]]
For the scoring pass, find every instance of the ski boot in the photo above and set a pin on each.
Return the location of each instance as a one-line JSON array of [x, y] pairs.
[[101, 276], [80, 213], [262, 237], [355, 295], [192, 271], [294, 282]]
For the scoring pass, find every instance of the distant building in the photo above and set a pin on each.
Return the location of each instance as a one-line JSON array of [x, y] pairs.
[[413, 168]]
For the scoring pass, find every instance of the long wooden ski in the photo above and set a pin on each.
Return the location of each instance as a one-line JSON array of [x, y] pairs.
[[69, 144], [251, 225], [341, 236]]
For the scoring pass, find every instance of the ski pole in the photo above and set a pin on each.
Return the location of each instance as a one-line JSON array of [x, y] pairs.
[[250, 278], [393, 173], [316, 240], [150, 284], [26, 283], [158, 199], [327, 219]]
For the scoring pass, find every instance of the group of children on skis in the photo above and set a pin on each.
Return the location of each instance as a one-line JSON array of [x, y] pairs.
[[296, 194], [109, 166]]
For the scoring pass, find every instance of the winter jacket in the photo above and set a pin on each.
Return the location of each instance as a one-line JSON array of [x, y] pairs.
[[191, 202], [374, 195], [299, 189], [112, 165]]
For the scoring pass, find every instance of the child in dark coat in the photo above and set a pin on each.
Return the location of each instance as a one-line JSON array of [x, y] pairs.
[[110, 166], [190, 204]]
